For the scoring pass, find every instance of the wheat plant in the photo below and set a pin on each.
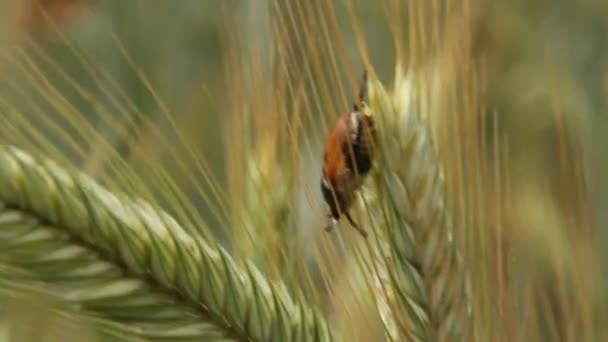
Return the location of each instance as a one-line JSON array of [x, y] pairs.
[[160, 166]]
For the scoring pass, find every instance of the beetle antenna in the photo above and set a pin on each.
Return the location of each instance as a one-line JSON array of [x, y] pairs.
[[358, 105]]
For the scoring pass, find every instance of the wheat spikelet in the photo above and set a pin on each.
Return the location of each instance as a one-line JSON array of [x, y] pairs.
[[69, 224], [426, 272]]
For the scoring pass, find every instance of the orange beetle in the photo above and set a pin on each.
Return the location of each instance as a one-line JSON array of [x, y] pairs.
[[348, 159]]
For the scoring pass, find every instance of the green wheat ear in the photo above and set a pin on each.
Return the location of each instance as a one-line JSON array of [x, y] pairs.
[[131, 263], [427, 299], [24, 298]]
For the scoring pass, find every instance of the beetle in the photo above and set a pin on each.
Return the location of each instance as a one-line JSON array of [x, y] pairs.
[[348, 159]]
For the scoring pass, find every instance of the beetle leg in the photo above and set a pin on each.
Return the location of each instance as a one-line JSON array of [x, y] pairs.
[[356, 226], [331, 223]]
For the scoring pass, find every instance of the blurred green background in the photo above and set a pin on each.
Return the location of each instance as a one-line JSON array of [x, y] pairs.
[[229, 102]]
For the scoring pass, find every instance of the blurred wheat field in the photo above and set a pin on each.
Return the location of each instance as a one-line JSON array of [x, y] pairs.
[[485, 206]]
